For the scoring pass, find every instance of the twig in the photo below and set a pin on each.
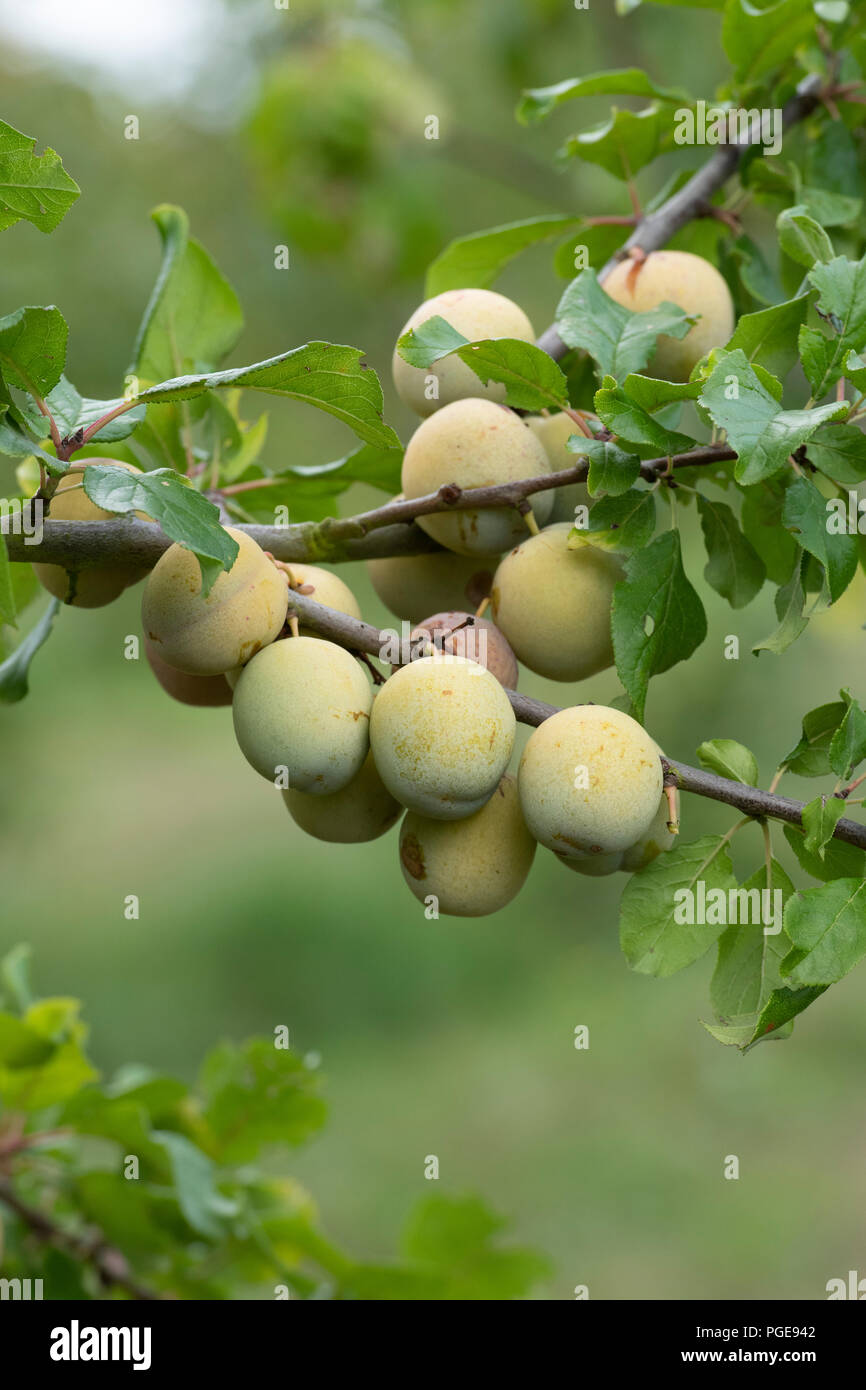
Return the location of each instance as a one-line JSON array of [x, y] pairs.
[[109, 1263]]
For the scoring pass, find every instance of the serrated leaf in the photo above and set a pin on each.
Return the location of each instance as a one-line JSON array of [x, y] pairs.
[[15, 670], [811, 756], [625, 522], [769, 336], [619, 340], [848, 744], [655, 934], [625, 418], [611, 469], [657, 617], [477, 260], [840, 860], [431, 340], [733, 569], [167, 497], [256, 1095], [729, 759], [532, 380], [827, 926], [839, 452], [790, 603], [33, 348], [841, 286], [761, 519], [747, 969], [805, 513], [32, 186], [762, 434], [624, 143], [538, 102], [819, 822], [326, 375]]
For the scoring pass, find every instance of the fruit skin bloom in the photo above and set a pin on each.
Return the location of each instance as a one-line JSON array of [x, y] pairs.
[[476, 314], [442, 732], [590, 782], [304, 704], [472, 866]]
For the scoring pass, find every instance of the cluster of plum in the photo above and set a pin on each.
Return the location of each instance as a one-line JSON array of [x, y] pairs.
[[432, 742]]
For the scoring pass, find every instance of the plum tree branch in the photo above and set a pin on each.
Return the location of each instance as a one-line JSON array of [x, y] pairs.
[[693, 200], [109, 1263], [384, 531], [752, 801]]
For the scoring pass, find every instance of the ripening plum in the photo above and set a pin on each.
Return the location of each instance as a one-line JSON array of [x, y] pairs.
[[323, 587], [362, 810], [474, 443], [554, 432], [412, 585], [101, 584], [553, 604], [477, 314], [690, 282], [442, 732], [590, 781], [472, 866], [657, 839], [244, 611], [462, 634], [304, 704], [204, 691], [599, 866]]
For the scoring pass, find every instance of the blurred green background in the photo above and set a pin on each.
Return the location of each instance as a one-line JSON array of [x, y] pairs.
[[452, 1038]]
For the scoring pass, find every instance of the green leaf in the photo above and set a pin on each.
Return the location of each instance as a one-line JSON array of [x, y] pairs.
[[762, 434], [14, 671], [326, 375], [790, 602], [8, 610], [120, 428], [657, 617], [655, 934], [848, 744], [619, 340], [775, 1020], [819, 822], [478, 260], [15, 976], [761, 519], [32, 186], [182, 513], [611, 469], [733, 569], [256, 1095], [33, 348], [454, 1238], [769, 336], [805, 513], [802, 238], [538, 102], [757, 40], [193, 318], [748, 965], [204, 1207], [811, 756], [840, 860], [839, 451], [625, 522], [729, 759], [827, 926], [431, 340], [625, 418], [532, 379], [841, 286], [622, 144]]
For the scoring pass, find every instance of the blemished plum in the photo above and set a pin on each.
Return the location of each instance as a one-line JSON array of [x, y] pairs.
[[303, 704], [362, 810], [472, 866], [590, 781], [244, 611], [476, 314], [553, 604], [690, 282], [554, 431], [442, 732], [462, 634], [474, 443], [204, 691], [101, 584]]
